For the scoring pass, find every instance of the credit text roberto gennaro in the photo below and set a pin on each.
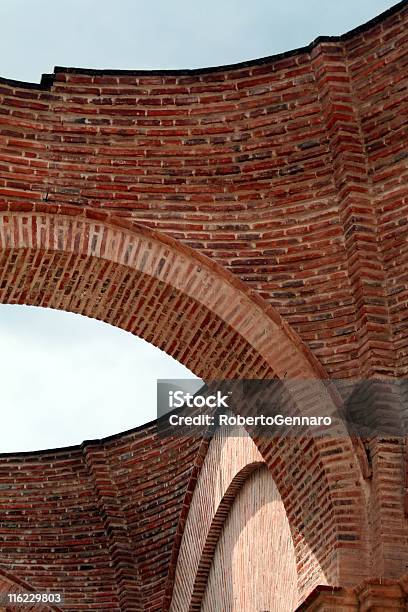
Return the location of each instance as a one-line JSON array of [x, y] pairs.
[[261, 420]]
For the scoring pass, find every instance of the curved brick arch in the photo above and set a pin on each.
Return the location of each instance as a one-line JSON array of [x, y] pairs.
[[254, 566], [290, 172], [277, 169], [231, 459], [150, 285], [214, 532], [225, 458], [78, 261]]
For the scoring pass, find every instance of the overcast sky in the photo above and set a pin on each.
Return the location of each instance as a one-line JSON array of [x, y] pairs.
[[66, 378], [37, 35]]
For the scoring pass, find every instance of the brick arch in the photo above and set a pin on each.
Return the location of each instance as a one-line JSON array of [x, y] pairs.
[[13, 584], [225, 458], [95, 264], [254, 566], [214, 532], [230, 461], [92, 263], [290, 172]]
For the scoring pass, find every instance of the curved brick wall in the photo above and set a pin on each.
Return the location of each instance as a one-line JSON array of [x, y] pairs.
[[229, 465], [125, 508], [254, 567], [289, 174]]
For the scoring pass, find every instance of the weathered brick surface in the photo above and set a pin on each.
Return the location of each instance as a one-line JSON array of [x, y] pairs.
[[251, 221]]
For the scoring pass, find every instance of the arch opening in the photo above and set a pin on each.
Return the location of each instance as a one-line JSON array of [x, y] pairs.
[[68, 378], [148, 284]]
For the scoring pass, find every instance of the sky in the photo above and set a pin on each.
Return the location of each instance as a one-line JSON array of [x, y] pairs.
[[65, 378], [37, 35]]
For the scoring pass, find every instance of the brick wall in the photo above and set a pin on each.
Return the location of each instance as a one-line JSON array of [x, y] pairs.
[[249, 220]]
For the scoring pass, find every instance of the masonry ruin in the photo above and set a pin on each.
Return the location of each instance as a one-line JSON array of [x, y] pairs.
[[250, 221]]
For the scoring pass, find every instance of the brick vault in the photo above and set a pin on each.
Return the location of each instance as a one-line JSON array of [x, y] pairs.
[[251, 221]]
